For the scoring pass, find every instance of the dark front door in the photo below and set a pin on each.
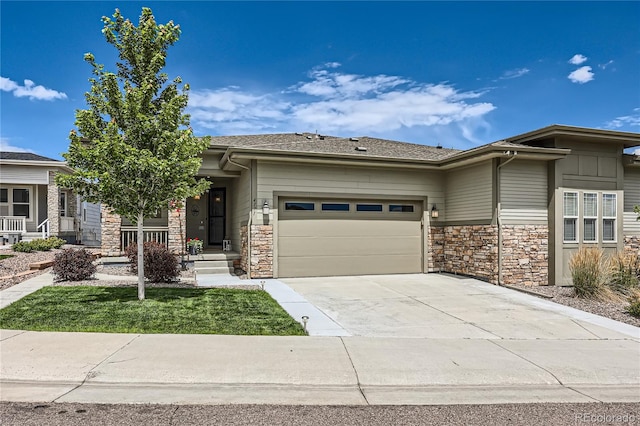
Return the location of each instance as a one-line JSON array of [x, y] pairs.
[[217, 210]]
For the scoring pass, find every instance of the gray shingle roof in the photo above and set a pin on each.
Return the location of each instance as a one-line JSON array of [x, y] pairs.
[[312, 143], [24, 156]]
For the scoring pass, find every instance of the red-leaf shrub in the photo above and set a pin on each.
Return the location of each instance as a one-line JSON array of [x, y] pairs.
[[160, 265], [73, 265]]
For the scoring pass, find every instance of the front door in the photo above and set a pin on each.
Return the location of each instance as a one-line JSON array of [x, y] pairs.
[[217, 219]]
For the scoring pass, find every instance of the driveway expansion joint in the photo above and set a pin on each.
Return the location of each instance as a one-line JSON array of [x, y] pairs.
[[355, 372], [529, 361]]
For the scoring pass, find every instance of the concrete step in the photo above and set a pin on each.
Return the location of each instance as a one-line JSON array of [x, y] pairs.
[[225, 255], [213, 263], [212, 270]]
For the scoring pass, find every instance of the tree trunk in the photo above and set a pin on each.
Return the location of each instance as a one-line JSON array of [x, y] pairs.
[[140, 256]]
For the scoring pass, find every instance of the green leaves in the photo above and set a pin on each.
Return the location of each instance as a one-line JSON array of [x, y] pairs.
[[133, 150]]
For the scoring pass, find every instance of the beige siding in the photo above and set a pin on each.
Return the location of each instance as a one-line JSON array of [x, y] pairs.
[[24, 174], [523, 193], [631, 189], [310, 179], [469, 193], [239, 200], [631, 225]]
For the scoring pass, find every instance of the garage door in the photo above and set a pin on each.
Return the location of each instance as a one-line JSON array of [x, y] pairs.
[[322, 237]]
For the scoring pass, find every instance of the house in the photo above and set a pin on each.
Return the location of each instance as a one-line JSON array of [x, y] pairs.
[[33, 206], [303, 204]]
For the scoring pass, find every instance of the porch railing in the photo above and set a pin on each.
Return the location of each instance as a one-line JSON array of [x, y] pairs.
[[67, 224], [13, 224], [129, 234], [45, 228]]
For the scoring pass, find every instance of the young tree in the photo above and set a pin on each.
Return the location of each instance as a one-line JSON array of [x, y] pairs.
[[133, 149]]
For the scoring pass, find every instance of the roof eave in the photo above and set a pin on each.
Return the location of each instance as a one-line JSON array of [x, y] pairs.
[[56, 164], [629, 139]]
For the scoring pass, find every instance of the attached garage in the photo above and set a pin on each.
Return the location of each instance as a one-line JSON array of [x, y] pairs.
[[327, 237]]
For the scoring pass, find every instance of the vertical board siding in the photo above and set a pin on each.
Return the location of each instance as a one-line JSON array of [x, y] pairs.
[[470, 193], [523, 192]]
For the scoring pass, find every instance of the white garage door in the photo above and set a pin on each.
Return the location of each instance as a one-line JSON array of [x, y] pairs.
[[319, 237]]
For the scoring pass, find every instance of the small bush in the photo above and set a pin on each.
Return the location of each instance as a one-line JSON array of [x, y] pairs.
[[634, 304], [588, 272], [160, 265], [22, 247], [55, 242], [625, 268], [73, 265], [40, 245]]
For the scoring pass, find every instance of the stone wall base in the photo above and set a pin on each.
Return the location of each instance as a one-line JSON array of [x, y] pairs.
[[111, 224], [472, 250], [525, 254], [632, 244], [261, 257]]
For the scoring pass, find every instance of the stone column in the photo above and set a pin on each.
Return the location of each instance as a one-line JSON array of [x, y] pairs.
[[244, 254], [177, 223], [110, 224], [261, 251], [435, 254], [53, 208]]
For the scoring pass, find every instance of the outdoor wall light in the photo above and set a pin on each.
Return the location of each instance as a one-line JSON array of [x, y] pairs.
[[434, 212], [196, 197], [265, 207]]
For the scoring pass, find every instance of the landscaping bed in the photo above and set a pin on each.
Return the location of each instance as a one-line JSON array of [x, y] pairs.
[[170, 310], [11, 268]]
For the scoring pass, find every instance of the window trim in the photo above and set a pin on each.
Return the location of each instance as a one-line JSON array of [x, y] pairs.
[[575, 218], [31, 203]]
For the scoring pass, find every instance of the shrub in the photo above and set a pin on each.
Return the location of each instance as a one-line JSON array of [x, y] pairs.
[[40, 245], [634, 304], [73, 265], [55, 242], [160, 265], [588, 272], [625, 268], [22, 247]]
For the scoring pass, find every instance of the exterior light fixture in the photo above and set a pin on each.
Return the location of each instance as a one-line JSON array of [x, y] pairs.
[[265, 207], [434, 212], [196, 197]]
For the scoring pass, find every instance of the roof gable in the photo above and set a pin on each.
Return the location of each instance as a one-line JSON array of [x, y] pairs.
[[23, 156]]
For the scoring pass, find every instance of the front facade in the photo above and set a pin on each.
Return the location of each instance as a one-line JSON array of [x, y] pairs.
[[33, 206], [295, 205]]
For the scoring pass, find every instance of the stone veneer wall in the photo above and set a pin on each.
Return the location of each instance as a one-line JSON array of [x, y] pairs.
[[472, 250], [111, 224], [177, 224], [525, 254], [435, 250], [53, 210], [632, 244], [261, 251]]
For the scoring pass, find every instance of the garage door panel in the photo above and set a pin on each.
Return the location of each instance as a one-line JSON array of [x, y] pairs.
[[319, 266], [348, 228], [345, 246]]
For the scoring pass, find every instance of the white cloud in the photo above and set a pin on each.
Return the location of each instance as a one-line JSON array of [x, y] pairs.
[[515, 73], [6, 146], [30, 90], [339, 103], [581, 75], [577, 59], [605, 65], [632, 120]]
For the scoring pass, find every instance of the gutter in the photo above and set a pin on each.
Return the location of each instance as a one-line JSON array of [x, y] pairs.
[[230, 161], [511, 156]]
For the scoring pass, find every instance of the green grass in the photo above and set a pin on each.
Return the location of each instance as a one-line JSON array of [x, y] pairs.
[[165, 310], [5, 256]]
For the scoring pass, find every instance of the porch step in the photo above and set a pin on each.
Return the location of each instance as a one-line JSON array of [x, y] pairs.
[[213, 266], [30, 236], [218, 270]]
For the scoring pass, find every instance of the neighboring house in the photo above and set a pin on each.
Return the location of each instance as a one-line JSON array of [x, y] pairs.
[[296, 205], [33, 206]]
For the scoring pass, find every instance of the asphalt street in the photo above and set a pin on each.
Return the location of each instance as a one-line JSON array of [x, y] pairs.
[[70, 414]]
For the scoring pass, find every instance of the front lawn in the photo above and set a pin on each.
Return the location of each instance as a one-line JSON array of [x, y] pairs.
[[165, 310]]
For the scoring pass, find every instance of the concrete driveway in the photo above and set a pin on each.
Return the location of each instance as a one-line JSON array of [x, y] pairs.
[[441, 306]]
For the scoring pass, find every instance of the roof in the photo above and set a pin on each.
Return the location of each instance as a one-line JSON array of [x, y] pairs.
[[628, 139], [364, 146], [23, 156]]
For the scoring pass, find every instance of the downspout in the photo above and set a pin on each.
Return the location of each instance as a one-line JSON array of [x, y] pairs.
[[512, 156], [250, 213]]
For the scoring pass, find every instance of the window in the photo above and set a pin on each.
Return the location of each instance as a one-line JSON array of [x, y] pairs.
[[335, 207], [590, 217], [609, 217], [299, 206], [369, 207], [4, 195], [21, 202], [406, 208], [570, 214], [63, 204]]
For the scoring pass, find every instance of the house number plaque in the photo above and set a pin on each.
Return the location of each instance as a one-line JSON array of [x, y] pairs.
[[195, 211]]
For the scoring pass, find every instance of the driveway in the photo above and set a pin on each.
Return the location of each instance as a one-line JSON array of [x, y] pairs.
[[442, 306]]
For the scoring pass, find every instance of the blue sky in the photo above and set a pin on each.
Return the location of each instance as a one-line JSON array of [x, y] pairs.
[[458, 74]]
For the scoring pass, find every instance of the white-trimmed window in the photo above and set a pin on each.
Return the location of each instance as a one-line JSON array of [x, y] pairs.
[[570, 215], [609, 212], [590, 217], [4, 202], [21, 202]]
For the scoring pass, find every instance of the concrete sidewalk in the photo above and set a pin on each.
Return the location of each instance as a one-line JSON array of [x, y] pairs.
[[209, 369]]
